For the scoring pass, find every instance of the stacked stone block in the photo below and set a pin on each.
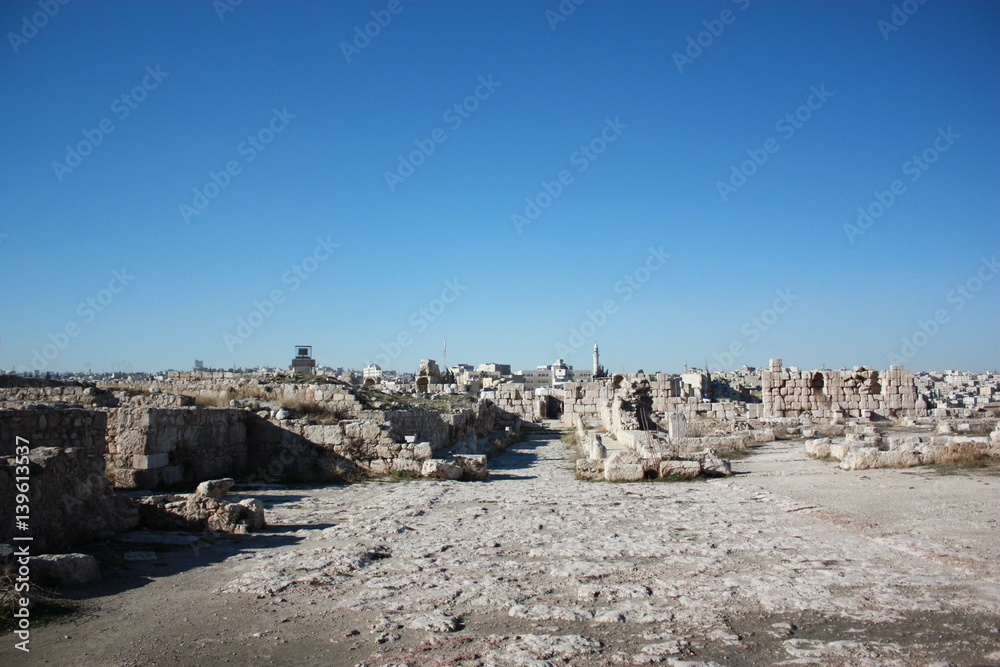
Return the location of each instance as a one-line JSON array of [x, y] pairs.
[[830, 394], [150, 447], [70, 500]]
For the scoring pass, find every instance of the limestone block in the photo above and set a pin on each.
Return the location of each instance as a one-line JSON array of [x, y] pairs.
[[681, 469], [379, 467], [64, 570], [592, 469], [625, 457], [422, 451], [839, 451], [623, 472], [473, 466], [861, 458], [818, 448], [214, 488], [716, 467], [406, 465], [255, 513], [441, 469], [149, 461]]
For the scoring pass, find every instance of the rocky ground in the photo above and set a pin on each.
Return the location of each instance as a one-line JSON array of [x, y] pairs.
[[793, 561]]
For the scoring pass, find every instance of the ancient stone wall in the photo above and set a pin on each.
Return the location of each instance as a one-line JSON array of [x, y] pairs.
[[223, 387], [293, 450], [70, 500], [513, 404], [832, 394], [150, 447], [15, 391]]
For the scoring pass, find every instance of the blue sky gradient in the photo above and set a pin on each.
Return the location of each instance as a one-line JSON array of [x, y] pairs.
[[915, 286]]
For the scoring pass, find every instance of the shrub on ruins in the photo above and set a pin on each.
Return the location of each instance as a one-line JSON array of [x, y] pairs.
[[43, 603], [314, 412]]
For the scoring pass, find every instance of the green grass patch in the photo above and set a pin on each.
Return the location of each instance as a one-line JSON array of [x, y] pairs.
[[402, 476]]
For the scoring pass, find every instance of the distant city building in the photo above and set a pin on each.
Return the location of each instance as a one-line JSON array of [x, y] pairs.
[[495, 370], [551, 375], [303, 361]]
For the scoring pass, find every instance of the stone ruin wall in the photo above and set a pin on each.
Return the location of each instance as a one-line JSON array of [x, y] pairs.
[[150, 447], [15, 391], [594, 403], [513, 405], [70, 499], [862, 393], [223, 387]]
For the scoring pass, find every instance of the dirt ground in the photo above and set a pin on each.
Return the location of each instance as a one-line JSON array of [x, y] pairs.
[[791, 561]]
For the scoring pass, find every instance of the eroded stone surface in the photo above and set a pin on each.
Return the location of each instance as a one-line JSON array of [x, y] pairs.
[[537, 568]]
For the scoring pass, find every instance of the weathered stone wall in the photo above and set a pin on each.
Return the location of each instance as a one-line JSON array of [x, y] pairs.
[[599, 402], [70, 500], [293, 450], [513, 404], [15, 391], [150, 447], [827, 394], [223, 387]]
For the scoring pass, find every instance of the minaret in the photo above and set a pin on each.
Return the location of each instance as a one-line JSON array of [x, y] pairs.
[[597, 358]]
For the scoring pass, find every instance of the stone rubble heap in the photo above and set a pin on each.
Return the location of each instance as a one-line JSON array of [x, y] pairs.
[[204, 510], [865, 447]]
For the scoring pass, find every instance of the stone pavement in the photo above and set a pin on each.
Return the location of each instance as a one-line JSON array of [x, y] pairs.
[[536, 568]]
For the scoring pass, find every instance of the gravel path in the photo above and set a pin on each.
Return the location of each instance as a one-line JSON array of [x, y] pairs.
[[536, 568]]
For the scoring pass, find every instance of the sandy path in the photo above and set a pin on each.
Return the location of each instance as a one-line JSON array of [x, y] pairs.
[[534, 568]]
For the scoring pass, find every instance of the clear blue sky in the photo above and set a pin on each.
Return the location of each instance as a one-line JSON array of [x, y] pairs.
[[197, 86]]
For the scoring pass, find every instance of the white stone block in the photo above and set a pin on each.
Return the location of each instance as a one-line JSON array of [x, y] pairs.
[[149, 461]]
